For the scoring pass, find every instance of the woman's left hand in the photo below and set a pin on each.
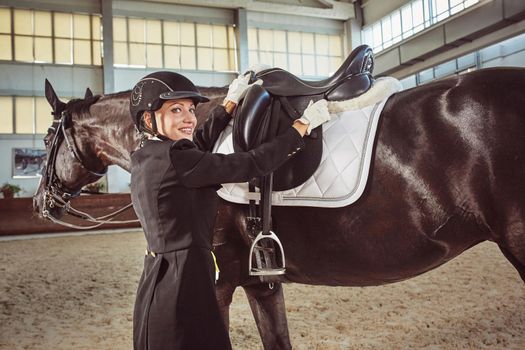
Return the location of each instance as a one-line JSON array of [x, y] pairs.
[[238, 87]]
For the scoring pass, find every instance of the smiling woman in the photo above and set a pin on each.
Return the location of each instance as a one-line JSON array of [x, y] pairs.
[[175, 119], [174, 178]]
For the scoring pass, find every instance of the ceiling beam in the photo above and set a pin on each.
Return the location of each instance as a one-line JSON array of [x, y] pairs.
[[331, 9]]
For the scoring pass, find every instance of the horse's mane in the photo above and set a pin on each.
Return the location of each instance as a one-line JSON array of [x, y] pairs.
[[80, 106]]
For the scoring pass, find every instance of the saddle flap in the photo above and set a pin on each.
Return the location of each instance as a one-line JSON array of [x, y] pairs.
[[251, 119]]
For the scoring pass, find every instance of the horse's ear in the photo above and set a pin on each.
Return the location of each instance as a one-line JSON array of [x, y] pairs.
[[88, 94], [52, 98]]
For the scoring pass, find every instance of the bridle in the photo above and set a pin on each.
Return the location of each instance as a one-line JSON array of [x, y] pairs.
[[56, 195]]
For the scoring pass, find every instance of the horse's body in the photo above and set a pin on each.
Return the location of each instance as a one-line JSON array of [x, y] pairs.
[[447, 173]]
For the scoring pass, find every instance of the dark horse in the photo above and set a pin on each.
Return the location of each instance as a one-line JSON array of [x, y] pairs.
[[448, 172]]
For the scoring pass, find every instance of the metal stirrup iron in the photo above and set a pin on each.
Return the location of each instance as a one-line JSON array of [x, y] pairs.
[[266, 248]]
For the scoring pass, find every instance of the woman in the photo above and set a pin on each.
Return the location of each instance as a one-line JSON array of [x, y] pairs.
[[174, 179]]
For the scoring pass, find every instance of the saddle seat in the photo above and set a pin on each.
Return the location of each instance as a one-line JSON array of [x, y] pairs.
[[357, 67]]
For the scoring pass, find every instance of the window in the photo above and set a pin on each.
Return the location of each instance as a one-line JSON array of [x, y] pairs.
[[24, 115], [172, 44], [50, 37], [409, 20], [303, 54]]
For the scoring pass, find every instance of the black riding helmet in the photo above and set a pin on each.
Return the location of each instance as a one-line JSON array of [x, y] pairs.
[[154, 89]]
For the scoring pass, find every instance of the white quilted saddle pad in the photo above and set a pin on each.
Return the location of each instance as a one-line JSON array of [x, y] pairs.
[[348, 140]]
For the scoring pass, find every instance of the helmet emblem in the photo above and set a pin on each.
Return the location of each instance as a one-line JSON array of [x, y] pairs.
[[136, 94]]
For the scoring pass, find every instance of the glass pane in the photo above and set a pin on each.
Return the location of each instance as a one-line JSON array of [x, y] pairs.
[[231, 38], [205, 58], [120, 53], [119, 29], [265, 40], [321, 44], [308, 65], [470, 2], [172, 57], [137, 30], [335, 63], [378, 37], [386, 26], [43, 50], [24, 48], [308, 43], [323, 66], [153, 32], [221, 60], [187, 58], [5, 20], [137, 54], [279, 40], [367, 36], [253, 58], [336, 48], [417, 11], [252, 39], [396, 26], [295, 64], [81, 26], [203, 35], [42, 23], [5, 44], [426, 75], [63, 25], [406, 15], [97, 53], [23, 22], [187, 34], [82, 52], [266, 58], [42, 115], [233, 60], [63, 51], [220, 36], [294, 43], [154, 56], [6, 117], [171, 33], [95, 22], [279, 60], [24, 115], [441, 7]]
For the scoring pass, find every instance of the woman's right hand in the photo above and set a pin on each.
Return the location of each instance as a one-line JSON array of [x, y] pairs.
[[314, 115]]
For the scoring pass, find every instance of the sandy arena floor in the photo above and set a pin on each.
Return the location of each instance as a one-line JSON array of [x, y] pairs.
[[78, 293]]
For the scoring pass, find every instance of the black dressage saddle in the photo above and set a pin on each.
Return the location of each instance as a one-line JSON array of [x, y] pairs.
[[271, 108], [268, 110]]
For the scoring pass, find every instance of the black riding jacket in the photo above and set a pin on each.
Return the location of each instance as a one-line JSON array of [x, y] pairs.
[[173, 188], [174, 183]]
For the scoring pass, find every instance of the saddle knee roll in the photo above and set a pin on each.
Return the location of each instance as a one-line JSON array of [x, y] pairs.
[[251, 120]]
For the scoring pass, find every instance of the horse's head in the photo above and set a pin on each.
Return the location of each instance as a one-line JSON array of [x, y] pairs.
[[71, 160]]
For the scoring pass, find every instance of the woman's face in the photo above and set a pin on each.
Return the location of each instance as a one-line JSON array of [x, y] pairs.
[[176, 119]]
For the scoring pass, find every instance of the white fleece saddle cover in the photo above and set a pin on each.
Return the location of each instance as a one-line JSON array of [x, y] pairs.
[[348, 140]]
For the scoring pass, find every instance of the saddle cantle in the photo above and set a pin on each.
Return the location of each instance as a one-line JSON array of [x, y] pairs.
[[283, 98], [351, 79]]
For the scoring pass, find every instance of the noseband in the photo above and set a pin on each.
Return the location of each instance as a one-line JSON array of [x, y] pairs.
[[56, 195]]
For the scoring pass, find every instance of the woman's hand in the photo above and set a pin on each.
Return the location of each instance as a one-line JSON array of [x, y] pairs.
[[238, 87], [314, 115]]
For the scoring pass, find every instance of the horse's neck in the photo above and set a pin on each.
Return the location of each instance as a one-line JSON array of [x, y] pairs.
[[117, 138]]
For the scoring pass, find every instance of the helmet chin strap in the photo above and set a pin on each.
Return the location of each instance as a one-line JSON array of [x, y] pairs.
[[154, 130]]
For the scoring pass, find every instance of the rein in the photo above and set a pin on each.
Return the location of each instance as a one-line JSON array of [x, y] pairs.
[[56, 195]]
